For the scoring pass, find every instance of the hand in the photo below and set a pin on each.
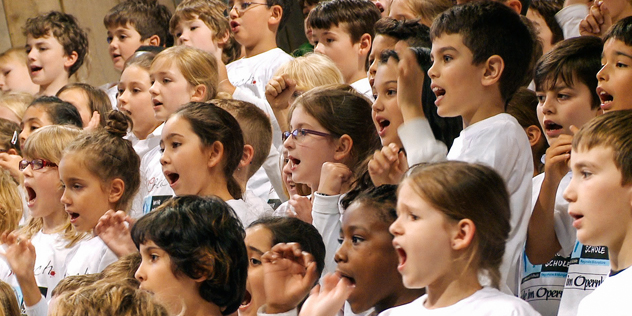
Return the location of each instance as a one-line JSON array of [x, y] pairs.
[[20, 254], [387, 165], [328, 299], [597, 22], [302, 208], [11, 163], [288, 276], [335, 178], [279, 91], [114, 229], [94, 122], [410, 79], [557, 158]]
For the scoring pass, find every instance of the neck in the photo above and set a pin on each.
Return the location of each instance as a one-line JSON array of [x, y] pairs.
[[218, 186], [54, 221], [198, 307], [452, 288], [54, 86], [620, 254], [359, 74], [266, 44], [241, 175], [486, 108], [142, 133]]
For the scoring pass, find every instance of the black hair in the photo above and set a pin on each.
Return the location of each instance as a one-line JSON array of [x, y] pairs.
[[359, 16], [60, 112], [622, 30], [204, 239], [286, 6], [382, 199], [412, 32], [147, 17]]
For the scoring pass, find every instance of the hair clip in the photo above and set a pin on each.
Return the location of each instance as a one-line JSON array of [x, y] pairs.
[[14, 139]]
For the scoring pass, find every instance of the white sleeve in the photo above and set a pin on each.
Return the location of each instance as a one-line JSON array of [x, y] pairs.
[[420, 143], [39, 309], [569, 18], [273, 171], [326, 219]]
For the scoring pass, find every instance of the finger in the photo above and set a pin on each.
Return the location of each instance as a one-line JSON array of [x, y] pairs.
[[592, 23], [574, 129]]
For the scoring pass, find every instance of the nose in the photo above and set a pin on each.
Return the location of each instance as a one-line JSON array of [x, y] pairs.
[[64, 197], [289, 142], [341, 253], [396, 228], [547, 106], [372, 71], [28, 171], [570, 194], [377, 105], [319, 48], [184, 37], [122, 99], [140, 273], [24, 134], [602, 75], [432, 72], [164, 158], [233, 14], [153, 90]]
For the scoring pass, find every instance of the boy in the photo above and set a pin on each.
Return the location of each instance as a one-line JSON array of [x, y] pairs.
[[343, 30], [600, 203], [481, 52], [56, 47], [202, 24], [14, 73], [615, 75], [565, 84]]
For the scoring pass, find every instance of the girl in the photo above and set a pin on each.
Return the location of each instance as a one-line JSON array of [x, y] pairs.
[[179, 75], [48, 111], [193, 256], [49, 229], [452, 224], [99, 172], [260, 237], [93, 104], [209, 138], [135, 100], [332, 136]]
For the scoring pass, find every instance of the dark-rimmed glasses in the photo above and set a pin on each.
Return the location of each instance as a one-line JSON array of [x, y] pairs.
[[36, 164], [299, 133], [240, 8]]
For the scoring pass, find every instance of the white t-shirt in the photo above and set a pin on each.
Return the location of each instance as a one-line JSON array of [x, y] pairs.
[[485, 302], [111, 89], [363, 86], [154, 187], [143, 146], [611, 298], [92, 256], [245, 213]]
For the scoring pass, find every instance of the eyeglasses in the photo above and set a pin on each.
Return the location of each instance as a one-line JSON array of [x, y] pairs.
[[240, 8], [36, 164], [299, 133]]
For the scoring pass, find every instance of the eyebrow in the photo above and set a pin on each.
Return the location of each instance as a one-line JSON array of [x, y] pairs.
[[583, 164], [255, 250], [444, 49], [620, 53], [172, 135]]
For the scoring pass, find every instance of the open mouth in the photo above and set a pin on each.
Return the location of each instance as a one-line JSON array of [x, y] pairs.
[[294, 161], [36, 68], [32, 195], [73, 216], [343, 275], [605, 97], [438, 91], [234, 25], [172, 178], [401, 255], [552, 126], [383, 123], [156, 102], [114, 56], [245, 303]]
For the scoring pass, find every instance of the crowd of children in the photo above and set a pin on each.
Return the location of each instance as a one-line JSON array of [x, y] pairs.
[[426, 158]]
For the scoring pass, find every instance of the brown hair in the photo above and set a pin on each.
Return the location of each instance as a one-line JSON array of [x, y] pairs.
[[8, 130], [98, 100], [10, 202], [341, 110], [48, 143], [147, 17], [255, 126], [9, 301], [610, 130], [428, 10], [65, 29], [211, 12], [108, 156], [72, 283], [463, 190], [357, 16]]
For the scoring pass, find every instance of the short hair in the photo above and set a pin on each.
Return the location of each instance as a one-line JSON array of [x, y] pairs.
[[357, 17], [382, 200], [16, 102], [610, 130], [123, 269], [108, 299], [412, 32], [147, 17], [547, 10], [575, 60], [292, 229], [311, 71], [428, 10], [72, 283], [10, 202], [197, 66], [15, 53], [491, 28], [255, 126], [8, 300], [621, 30], [211, 12], [98, 100], [60, 112], [65, 29], [463, 190], [204, 238], [8, 136], [286, 6]]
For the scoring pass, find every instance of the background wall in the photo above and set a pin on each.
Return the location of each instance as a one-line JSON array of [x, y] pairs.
[[90, 13]]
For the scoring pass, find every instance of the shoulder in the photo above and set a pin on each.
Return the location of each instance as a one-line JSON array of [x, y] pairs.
[[490, 301]]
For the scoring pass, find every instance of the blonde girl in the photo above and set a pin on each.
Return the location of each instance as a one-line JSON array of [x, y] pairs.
[[99, 172]]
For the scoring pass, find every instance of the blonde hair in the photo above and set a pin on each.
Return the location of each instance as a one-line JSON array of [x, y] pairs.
[[15, 53], [311, 71], [9, 301], [428, 10], [48, 143], [10, 203], [16, 102], [197, 66]]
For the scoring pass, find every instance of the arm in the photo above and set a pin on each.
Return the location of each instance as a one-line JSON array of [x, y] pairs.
[[279, 91], [20, 254]]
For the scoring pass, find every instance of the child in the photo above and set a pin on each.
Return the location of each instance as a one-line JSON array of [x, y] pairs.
[[48, 111], [423, 12], [481, 51], [10, 202], [52, 236], [343, 30], [180, 75], [193, 256], [444, 244], [14, 74], [93, 104], [542, 14], [56, 48], [130, 25], [99, 172], [613, 87], [602, 15], [13, 105], [598, 196], [134, 100], [261, 236]]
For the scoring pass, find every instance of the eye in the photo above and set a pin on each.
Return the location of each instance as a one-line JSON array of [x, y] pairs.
[[357, 239], [585, 174], [120, 91], [193, 28], [153, 257], [391, 92], [447, 58], [122, 37], [166, 80], [136, 90], [177, 35], [315, 43], [412, 216], [28, 50], [175, 144], [109, 39], [621, 65], [330, 40], [255, 262], [541, 98], [34, 127], [562, 96], [340, 240]]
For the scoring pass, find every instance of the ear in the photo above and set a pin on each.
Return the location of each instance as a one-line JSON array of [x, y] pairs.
[[199, 93], [463, 234], [246, 158], [494, 67], [222, 40], [215, 154], [534, 134], [343, 148], [117, 187], [365, 44], [276, 13], [153, 40], [515, 5], [71, 59], [12, 151]]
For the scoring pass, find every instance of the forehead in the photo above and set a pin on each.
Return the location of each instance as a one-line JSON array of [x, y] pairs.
[[360, 215], [46, 39], [341, 29], [117, 28], [601, 156], [35, 111], [615, 46], [259, 237], [301, 118], [161, 64], [449, 41], [386, 71]]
